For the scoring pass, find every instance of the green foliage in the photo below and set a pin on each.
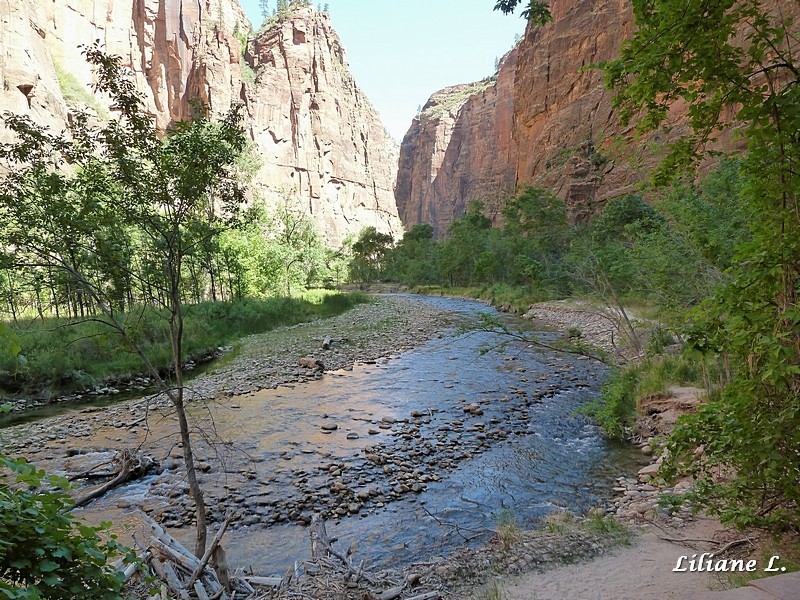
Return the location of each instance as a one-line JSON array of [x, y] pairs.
[[536, 12], [615, 409], [75, 357], [734, 55], [671, 255], [370, 251], [44, 552], [415, 259], [76, 95]]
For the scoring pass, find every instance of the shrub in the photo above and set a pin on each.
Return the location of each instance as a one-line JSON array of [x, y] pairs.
[[44, 551]]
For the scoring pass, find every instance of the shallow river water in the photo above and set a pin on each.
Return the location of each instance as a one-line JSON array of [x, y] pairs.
[[430, 448]]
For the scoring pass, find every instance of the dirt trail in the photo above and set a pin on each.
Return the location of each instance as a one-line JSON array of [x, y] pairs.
[[641, 571]]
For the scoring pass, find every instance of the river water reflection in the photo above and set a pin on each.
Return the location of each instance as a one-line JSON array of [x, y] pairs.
[[430, 470]]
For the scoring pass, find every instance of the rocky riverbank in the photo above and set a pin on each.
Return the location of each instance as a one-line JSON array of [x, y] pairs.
[[366, 333]]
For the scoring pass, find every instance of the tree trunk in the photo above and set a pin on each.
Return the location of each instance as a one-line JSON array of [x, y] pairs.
[[176, 339]]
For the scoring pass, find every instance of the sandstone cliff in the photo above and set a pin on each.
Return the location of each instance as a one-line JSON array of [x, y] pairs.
[[318, 135], [459, 148], [549, 117], [320, 140]]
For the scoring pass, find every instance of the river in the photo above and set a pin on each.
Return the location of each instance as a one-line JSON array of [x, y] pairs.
[[410, 456]]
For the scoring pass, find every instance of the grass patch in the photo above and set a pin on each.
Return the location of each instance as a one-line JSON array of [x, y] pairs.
[[492, 591], [595, 523], [615, 408], [458, 97], [506, 529], [77, 95], [607, 526], [62, 356]]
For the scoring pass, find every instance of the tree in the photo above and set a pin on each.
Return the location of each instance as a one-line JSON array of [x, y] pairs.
[[264, 6], [298, 249], [369, 252], [536, 221], [416, 257], [735, 57], [537, 12], [64, 196]]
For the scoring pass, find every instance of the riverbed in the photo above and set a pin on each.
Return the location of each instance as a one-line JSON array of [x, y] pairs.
[[410, 454]]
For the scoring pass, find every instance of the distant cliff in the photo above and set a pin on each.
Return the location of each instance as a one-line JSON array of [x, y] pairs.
[[459, 148], [546, 121], [319, 139]]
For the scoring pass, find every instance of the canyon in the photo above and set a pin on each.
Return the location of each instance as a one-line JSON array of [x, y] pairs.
[[320, 145], [544, 119]]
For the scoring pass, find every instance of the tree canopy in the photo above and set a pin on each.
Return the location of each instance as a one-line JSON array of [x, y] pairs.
[[733, 63]]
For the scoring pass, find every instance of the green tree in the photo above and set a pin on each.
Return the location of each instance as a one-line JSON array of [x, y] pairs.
[[298, 246], [536, 12], [735, 57], [465, 244], [415, 259], [369, 254], [536, 223], [63, 195]]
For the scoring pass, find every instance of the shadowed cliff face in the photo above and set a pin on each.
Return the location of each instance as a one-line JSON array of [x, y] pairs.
[[320, 140]]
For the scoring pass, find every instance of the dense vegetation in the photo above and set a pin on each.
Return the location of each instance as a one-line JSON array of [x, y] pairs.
[[60, 355], [671, 256]]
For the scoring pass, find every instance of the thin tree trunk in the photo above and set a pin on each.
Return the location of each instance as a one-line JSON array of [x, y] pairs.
[[174, 394], [176, 335]]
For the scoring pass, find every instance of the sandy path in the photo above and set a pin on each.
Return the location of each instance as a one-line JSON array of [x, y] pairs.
[[642, 571]]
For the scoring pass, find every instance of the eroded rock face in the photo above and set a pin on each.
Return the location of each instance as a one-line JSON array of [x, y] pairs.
[[319, 138], [548, 122], [459, 148], [318, 135]]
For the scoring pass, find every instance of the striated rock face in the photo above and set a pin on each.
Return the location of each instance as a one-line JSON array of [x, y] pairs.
[[320, 140], [319, 137], [459, 148], [177, 50], [569, 138], [547, 122]]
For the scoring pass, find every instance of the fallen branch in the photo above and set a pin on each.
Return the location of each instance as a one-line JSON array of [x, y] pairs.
[[130, 466], [210, 550]]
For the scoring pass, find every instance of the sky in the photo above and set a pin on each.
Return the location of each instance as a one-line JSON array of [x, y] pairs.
[[401, 51]]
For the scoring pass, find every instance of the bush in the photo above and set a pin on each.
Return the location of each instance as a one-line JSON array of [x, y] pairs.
[[44, 552], [615, 409]]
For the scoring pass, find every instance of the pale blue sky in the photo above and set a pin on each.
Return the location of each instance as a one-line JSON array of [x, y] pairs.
[[401, 51]]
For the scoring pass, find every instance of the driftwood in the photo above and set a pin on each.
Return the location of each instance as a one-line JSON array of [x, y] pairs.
[[330, 573], [185, 576], [326, 343], [131, 466], [321, 546], [210, 550]]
